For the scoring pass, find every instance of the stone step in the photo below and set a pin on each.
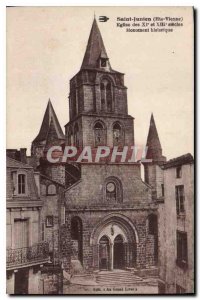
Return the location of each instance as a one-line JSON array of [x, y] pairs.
[[131, 280], [123, 277], [145, 273], [118, 277]]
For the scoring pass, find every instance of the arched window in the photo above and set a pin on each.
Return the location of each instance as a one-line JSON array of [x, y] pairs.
[[103, 98], [76, 135], [106, 96], [113, 190], [76, 236], [117, 134], [99, 133], [74, 101], [43, 189], [109, 97], [51, 190], [111, 193]]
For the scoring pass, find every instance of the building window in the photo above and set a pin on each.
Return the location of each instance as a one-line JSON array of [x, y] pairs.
[[182, 256], [14, 182], [49, 221], [178, 172], [74, 101], [76, 135], [180, 199], [103, 62], [163, 190], [99, 133], [113, 190], [43, 189], [21, 184], [106, 96], [103, 100], [180, 289], [109, 97], [117, 134], [51, 190]]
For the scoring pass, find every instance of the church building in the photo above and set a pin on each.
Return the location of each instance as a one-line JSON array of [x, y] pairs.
[[109, 209]]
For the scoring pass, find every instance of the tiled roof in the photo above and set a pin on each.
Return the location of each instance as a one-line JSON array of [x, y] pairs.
[[179, 161]]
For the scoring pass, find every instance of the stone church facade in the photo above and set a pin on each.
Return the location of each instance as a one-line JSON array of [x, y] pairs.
[[108, 218], [109, 211]]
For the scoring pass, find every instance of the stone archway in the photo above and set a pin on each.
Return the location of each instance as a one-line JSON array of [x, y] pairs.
[[122, 242]]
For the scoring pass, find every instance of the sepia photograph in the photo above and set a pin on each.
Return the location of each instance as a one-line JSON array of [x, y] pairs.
[[100, 150]]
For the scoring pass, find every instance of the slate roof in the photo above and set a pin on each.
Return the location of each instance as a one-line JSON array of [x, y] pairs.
[[12, 163], [50, 121], [154, 150], [95, 48]]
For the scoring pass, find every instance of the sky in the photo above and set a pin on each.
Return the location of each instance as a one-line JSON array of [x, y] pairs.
[[45, 49]]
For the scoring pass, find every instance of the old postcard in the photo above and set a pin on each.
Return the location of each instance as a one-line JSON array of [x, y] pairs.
[[100, 116]]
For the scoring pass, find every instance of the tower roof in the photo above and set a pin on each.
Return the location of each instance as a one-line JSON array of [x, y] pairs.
[[95, 48], [154, 149], [50, 122]]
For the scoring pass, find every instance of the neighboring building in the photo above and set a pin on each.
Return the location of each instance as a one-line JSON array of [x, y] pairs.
[[178, 267], [26, 253]]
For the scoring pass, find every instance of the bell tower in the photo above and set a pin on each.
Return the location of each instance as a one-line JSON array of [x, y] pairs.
[[98, 101]]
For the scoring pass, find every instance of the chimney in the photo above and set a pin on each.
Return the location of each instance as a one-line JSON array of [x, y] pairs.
[[23, 155]]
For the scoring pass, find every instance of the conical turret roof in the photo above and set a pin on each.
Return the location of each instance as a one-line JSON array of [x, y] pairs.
[[154, 149], [50, 122]]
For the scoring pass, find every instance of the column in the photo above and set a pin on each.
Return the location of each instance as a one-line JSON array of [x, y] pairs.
[[111, 256], [125, 256]]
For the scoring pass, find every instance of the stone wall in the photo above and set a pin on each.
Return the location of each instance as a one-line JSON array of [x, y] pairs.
[[92, 192], [144, 248]]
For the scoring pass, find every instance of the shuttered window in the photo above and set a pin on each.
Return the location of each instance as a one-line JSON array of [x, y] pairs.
[[21, 233]]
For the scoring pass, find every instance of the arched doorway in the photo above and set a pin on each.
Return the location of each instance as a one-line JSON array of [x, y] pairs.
[[104, 253], [119, 253], [121, 238]]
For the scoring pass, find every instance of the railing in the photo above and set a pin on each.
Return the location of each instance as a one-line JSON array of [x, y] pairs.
[[27, 255]]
